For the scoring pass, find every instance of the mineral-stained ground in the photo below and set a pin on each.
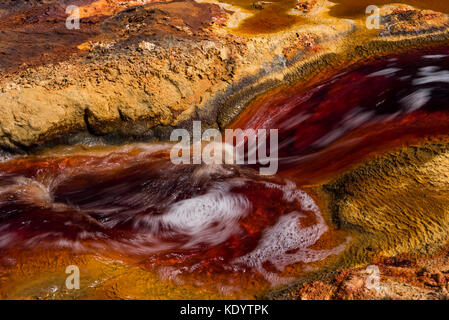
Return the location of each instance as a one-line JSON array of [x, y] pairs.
[[363, 117]]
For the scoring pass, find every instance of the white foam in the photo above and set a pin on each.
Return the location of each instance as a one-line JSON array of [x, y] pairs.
[[431, 74], [196, 217], [207, 219], [417, 99], [435, 56], [385, 72], [288, 235]]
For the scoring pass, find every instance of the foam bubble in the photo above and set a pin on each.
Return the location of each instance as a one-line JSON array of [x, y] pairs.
[[207, 219], [287, 242]]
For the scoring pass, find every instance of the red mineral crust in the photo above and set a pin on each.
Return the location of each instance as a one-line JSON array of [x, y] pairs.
[[35, 33]]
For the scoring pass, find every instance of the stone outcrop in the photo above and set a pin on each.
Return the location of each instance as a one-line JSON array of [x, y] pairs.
[[136, 72]]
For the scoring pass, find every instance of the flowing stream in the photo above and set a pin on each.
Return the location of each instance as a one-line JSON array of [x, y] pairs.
[[226, 222]]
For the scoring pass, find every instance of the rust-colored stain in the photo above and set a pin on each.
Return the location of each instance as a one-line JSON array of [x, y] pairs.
[[268, 16], [357, 8], [37, 35]]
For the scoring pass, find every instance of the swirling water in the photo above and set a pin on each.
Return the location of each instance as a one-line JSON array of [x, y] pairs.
[[224, 219]]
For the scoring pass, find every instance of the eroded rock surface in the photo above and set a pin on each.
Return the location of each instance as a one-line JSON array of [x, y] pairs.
[[396, 209], [134, 71]]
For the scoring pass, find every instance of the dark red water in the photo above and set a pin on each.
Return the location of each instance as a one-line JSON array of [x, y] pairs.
[[326, 127], [135, 202], [222, 219]]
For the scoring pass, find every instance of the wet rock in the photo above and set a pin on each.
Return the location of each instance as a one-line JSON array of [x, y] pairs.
[[305, 5], [260, 5], [403, 185], [406, 20], [109, 79]]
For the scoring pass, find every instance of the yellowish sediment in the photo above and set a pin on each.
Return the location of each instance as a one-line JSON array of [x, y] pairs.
[[398, 203]]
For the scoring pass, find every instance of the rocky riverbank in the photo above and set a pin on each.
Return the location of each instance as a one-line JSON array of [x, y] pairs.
[[134, 70], [105, 80]]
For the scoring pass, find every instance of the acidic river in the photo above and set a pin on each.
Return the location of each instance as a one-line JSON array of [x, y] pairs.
[[225, 226]]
